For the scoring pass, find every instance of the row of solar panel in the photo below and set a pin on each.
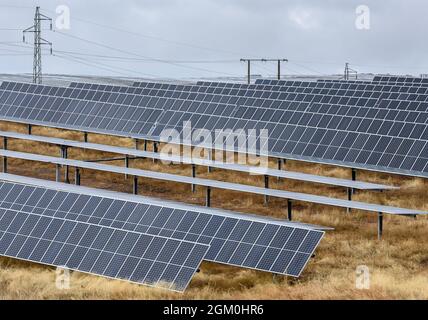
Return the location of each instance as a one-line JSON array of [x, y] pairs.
[[412, 80], [231, 240], [332, 96], [34, 233], [173, 119], [280, 84], [293, 86], [189, 160], [376, 83], [283, 113], [208, 94], [392, 105], [396, 129], [272, 100], [390, 80], [288, 86], [136, 100], [387, 108], [400, 104], [282, 194]]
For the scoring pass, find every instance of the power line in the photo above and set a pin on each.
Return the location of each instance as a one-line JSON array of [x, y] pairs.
[[14, 51], [144, 59], [14, 54], [111, 67], [13, 6], [308, 68], [87, 64], [138, 34], [139, 55], [9, 42]]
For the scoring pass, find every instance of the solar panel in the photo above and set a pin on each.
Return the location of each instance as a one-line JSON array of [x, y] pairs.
[[235, 239], [400, 79], [376, 82], [33, 228], [95, 86], [216, 184], [383, 85], [275, 92], [340, 130], [357, 87], [361, 185]]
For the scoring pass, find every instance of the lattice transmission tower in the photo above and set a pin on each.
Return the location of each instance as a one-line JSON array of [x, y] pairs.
[[36, 29]]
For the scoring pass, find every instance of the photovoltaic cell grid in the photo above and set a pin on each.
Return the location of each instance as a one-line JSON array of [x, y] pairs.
[[320, 87], [415, 84], [360, 95], [309, 130], [363, 95], [326, 87], [215, 184], [398, 79], [108, 252], [348, 87], [375, 81], [360, 185], [240, 242], [27, 234]]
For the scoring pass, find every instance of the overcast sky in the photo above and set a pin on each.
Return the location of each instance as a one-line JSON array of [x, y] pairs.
[[206, 38]]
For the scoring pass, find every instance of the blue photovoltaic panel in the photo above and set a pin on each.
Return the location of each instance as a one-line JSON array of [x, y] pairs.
[[262, 244], [350, 125], [361, 185], [215, 184], [371, 84], [100, 250], [403, 80]]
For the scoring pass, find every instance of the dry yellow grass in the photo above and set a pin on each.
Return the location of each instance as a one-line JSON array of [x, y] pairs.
[[398, 263]]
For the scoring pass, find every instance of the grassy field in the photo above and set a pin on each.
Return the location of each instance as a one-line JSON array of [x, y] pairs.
[[398, 264]]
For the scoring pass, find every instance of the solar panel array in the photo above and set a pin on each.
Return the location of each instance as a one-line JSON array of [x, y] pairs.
[[374, 127], [361, 185], [398, 79], [239, 240], [45, 226], [380, 82], [382, 86], [289, 195]]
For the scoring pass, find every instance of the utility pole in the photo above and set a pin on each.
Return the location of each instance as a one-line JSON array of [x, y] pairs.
[[349, 71], [346, 73], [248, 61], [36, 28], [279, 65]]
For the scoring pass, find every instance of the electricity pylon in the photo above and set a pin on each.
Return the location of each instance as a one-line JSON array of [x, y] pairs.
[[349, 71], [36, 28]]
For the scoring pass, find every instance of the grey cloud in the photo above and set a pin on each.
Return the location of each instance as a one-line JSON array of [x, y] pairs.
[[317, 36]]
